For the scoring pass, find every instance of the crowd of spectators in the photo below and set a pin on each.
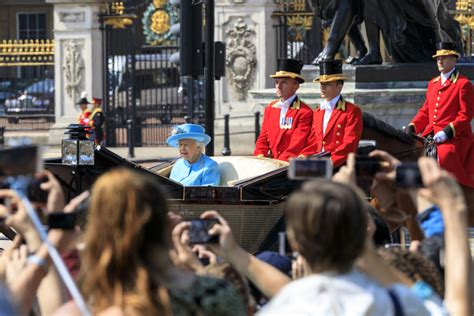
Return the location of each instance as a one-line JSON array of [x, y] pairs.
[[132, 257]]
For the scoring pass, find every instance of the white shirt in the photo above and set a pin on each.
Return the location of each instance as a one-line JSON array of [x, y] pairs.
[[328, 107], [284, 105], [445, 76], [349, 294]]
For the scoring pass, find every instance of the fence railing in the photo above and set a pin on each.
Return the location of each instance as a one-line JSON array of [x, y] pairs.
[[26, 84]]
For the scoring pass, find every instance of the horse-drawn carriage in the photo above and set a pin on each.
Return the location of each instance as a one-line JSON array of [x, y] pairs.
[[252, 192]]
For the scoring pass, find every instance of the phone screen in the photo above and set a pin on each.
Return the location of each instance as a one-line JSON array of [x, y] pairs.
[[367, 166], [309, 168], [198, 232], [408, 176], [21, 160]]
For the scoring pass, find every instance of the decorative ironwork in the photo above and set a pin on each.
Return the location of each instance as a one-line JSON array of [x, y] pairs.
[[297, 17], [26, 52], [299, 33], [116, 16], [157, 21], [464, 14], [298, 25]]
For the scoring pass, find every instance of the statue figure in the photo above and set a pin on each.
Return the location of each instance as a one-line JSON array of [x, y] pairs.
[[409, 28]]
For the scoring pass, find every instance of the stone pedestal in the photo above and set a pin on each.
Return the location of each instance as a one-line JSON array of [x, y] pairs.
[[246, 26], [78, 59]]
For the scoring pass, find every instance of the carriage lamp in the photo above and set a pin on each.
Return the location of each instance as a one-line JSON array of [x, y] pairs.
[[77, 150]]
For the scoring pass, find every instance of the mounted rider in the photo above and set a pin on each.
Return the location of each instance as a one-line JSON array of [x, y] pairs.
[[447, 114]]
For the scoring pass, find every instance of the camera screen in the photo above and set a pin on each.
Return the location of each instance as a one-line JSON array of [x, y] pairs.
[[408, 176], [21, 160], [310, 168]]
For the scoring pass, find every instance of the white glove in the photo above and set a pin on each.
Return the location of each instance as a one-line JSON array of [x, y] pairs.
[[440, 137]]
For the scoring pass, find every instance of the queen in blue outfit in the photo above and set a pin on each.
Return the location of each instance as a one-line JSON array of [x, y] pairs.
[[194, 167]]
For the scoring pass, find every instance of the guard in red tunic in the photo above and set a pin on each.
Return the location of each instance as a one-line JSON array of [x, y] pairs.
[[447, 114], [97, 121], [337, 123], [286, 121], [85, 112]]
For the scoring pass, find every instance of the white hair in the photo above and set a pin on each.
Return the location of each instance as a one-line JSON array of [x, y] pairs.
[[200, 145]]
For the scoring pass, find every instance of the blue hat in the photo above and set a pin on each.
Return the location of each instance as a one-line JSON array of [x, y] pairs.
[[188, 131]]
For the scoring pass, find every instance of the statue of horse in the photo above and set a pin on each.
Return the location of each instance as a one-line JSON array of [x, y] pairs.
[[410, 29]]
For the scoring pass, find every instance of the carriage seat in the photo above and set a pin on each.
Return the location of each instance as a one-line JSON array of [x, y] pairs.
[[236, 168]]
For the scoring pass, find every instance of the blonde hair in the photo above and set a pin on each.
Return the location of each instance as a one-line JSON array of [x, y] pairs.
[[126, 249]]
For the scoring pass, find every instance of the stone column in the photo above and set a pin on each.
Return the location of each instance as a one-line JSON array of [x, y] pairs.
[[246, 26], [78, 59]]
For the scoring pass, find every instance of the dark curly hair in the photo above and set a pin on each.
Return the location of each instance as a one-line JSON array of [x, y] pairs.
[[414, 266]]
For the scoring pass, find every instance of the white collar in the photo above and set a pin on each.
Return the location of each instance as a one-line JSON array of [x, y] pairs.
[[445, 76], [331, 104], [286, 103]]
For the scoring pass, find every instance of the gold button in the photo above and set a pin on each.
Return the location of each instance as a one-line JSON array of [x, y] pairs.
[[434, 116], [324, 143], [437, 103], [434, 123], [337, 142], [439, 92], [338, 134], [339, 126], [436, 110]]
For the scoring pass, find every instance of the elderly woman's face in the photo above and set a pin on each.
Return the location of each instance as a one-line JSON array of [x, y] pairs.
[[189, 150]]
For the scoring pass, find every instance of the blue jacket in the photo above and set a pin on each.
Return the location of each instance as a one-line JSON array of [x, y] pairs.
[[205, 171]]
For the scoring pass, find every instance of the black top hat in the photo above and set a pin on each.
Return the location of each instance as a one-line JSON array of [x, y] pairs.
[[446, 49], [289, 68], [330, 70], [83, 101]]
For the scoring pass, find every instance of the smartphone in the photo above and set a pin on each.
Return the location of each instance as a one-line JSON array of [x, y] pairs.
[[302, 169], [198, 232], [20, 160], [407, 175], [34, 191], [60, 220], [367, 166]]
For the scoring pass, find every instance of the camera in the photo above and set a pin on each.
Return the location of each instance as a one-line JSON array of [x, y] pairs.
[[407, 175], [367, 166], [303, 169], [198, 231], [61, 220]]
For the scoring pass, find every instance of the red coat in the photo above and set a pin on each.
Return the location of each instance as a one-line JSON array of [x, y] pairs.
[[84, 117], [449, 107], [282, 142], [342, 135]]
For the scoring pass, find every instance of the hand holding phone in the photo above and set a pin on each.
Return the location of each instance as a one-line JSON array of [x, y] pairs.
[[367, 166], [198, 231], [407, 175]]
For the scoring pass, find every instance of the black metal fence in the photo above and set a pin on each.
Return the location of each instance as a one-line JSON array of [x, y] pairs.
[[141, 85], [298, 31], [26, 85]]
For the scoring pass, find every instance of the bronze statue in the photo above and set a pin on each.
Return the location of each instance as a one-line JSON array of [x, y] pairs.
[[410, 28]]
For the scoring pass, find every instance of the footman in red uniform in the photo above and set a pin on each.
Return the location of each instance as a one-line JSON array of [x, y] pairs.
[[286, 121], [337, 123]]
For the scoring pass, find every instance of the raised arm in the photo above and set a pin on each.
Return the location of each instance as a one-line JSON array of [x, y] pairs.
[[267, 278]]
